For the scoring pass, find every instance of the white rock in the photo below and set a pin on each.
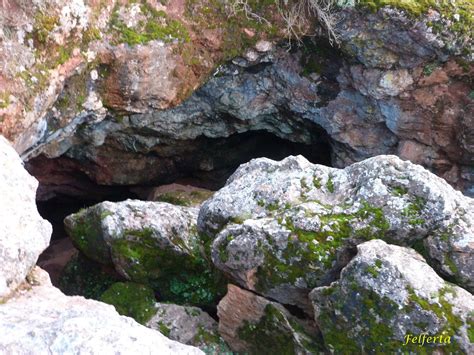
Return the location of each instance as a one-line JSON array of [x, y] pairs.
[[44, 321], [23, 233]]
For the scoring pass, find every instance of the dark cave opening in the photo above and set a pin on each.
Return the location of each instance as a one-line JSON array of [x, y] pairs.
[[65, 189]]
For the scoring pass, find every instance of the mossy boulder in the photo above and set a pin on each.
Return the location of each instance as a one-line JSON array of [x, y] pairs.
[[283, 228], [131, 299], [386, 293], [254, 325], [151, 243], [188, 325]]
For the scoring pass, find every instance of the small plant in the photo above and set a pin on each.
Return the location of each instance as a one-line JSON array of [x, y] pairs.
[[297, 15]]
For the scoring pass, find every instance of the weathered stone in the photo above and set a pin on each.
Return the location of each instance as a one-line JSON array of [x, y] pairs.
[[283, 228], [177, 194], [41, 320], [23, 233], [152, 243], [386, 293], [188, 325], [255, 325]]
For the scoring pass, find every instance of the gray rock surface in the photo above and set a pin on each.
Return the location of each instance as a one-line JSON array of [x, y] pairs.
[[283, 228], [387, 292], [188, 325], [23, 233], [41, 320], [397, 86]]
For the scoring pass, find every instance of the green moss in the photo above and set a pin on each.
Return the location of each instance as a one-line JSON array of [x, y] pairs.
[[399, 191], [158, 26], [44, 24], [173, 199], [205, 336], [429, 69], [463, 8], [374, 269], [413, 211], [451, 265], [84, 277], [214, 14], [372, 332], [470, 330], [132, 300], [317, 182], [317, 249], [164, 329], [330, 184], [274, 331], [178, 277], [4, 99], [74, 94], [86, 235], [223, 253], [441, 307]]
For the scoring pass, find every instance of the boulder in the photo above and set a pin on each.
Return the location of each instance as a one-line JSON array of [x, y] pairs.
[[23, 233], [283, 228], [255, 325], [41, 320], [152, 243], [387, 295], [188, 325]]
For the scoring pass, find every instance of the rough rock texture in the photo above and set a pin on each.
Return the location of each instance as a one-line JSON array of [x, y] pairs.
[[153, 243], [177, 194], [399, 85], [283, 228], [255, 325], [23, 233], [65, 64], [188, 325], [387, 292], [41, 320]]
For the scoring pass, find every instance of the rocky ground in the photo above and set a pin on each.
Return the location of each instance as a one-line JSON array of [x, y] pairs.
[[354, 235]]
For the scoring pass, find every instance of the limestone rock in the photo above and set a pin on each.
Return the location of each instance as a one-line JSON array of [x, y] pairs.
[[283, 228], [188, 325], [23, 233], [153, 243], [255, 325], [387, 292], [41, 320]]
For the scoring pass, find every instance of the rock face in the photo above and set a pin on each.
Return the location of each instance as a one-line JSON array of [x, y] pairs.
[[283, 228], [152, 243], [188, 325], [43, 320], [253, 324], [387, 292], [23, 233], [403, 88]]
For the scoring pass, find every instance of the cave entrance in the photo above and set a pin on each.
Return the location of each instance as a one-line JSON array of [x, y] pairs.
[[207, 163]]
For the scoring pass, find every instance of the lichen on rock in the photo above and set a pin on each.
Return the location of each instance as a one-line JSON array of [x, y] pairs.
[[386, 293]]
